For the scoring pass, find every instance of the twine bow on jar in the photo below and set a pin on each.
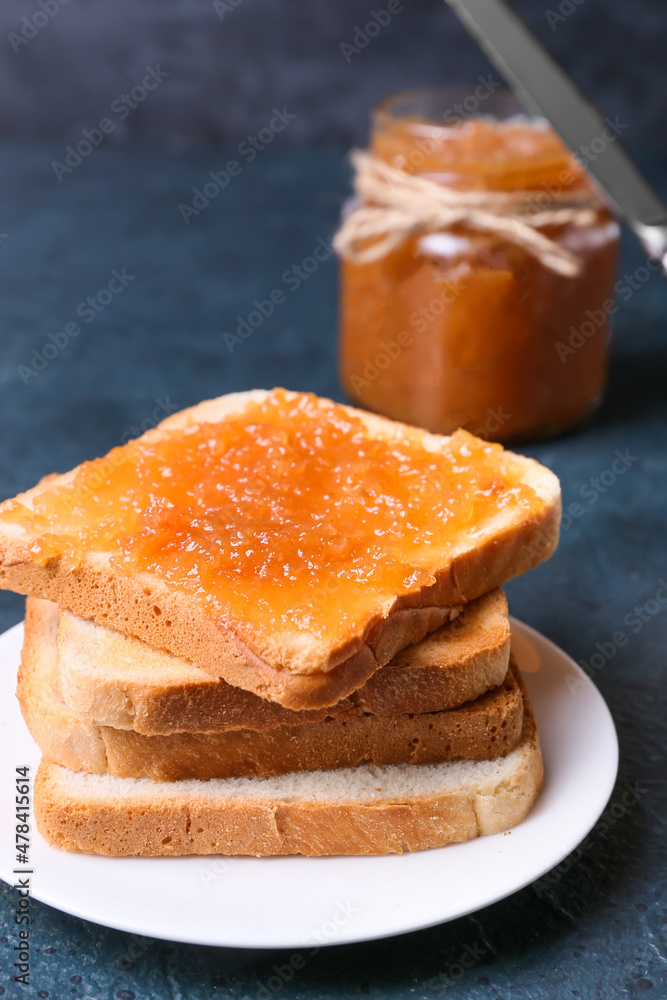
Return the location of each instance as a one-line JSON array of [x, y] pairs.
[[395, 205]]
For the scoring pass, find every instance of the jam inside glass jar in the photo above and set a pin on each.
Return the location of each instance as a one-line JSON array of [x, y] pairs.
[[465, 328]]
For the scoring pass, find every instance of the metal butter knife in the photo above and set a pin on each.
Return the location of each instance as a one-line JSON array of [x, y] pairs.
[[546, 90]]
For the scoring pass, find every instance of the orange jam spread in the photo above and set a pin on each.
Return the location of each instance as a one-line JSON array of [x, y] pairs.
[[513, 155], [286, 516], [465, 328]]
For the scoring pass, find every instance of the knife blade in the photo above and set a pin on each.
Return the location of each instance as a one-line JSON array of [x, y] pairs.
[[545, 89]]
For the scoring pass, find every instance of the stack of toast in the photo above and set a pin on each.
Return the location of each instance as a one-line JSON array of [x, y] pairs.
[[276, 625]]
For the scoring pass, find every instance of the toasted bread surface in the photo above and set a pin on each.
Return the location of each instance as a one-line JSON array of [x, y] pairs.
[[487, 727], [450, 666], [298, 671], [353, 811], [115, 680]]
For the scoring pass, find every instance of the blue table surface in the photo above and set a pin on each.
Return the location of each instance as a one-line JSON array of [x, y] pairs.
[[596, 928]]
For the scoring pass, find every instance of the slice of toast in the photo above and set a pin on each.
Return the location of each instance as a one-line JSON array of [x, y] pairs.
[[352, 811], [485, 728], [341, 595], [114, 680]]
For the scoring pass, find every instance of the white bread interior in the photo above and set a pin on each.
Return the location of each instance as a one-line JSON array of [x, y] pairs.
[[353, 811], [487, 727], [115, 680]]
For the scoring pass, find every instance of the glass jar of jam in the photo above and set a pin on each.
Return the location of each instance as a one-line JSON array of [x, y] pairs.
[[464, 325]]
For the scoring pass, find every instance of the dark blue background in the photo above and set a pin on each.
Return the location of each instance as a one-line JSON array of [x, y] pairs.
[[598, 930], [226, 74]]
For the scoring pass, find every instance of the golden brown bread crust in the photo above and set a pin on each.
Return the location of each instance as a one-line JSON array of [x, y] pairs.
[[475, 648], [183, 630], [485, 728], [119, 817], [127, 604], [114, 680], [309, 677]]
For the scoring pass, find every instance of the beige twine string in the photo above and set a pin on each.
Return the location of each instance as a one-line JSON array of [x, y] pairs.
[[395, 205]]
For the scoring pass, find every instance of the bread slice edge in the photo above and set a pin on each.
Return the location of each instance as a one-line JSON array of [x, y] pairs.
[[356, 811], [115, 680], [489, 726], [144, 606]]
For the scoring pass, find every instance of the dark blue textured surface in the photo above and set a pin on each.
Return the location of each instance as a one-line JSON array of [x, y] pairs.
[[595, 928], [230, 63]]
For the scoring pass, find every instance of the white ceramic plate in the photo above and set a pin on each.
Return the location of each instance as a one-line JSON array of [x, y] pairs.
[[293, 902]]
